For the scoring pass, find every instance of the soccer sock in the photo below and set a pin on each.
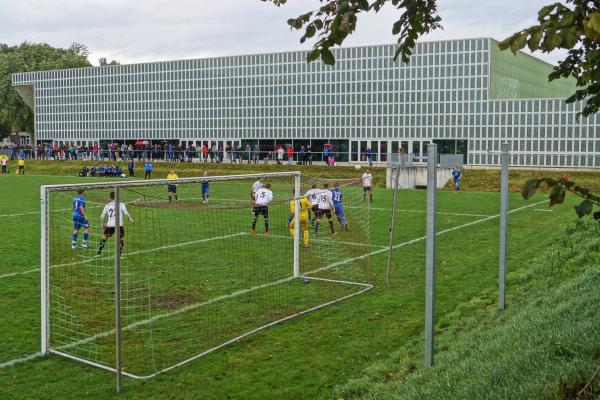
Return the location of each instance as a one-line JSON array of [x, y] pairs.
[[365, 196], [254, 224], [170, 199], [86, 235], [306, 237], [317, 223], [176, 198], [74, 238], [331, 226], [101, 246], [371, 197], [266, 225], [292, 232]]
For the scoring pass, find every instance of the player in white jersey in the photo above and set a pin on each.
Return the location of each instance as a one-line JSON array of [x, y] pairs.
[[367, 184], [313, 196], [109, 228], [324, 208], [255, 186], [263, 197]]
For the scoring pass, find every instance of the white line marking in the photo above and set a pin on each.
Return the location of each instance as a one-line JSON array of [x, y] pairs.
[[331, 241], [20, 360], [90, 259], [423, 212], [160, 316], [543, 210]]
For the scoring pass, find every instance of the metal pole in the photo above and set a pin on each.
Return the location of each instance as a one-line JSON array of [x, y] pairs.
[[505, 160], [430, 255], [297, 226], [117, 235], [44, 271], [393, 226]]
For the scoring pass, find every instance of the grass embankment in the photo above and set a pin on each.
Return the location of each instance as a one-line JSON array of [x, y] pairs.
[[545, 346], [474, 179]]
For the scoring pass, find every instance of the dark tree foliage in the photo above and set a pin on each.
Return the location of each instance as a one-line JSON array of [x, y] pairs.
[[335, 20], [574, 26], [14, 113]]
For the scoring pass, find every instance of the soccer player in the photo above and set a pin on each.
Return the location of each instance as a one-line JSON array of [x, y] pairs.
[[205, 189], [303, 215], [21, 164], [367, 183], [263, 197], [109, 228], [456, 174], [338, 207], [255, 186], [325, 207], [80, 220], [172, 189], [313, 196]]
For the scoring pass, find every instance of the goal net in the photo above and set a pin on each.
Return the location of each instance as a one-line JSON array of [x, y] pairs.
[[192, 274]]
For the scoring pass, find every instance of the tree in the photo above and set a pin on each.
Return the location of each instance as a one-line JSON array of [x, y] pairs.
[[575, 28], [335, 20], [28, 57], [103, 63]]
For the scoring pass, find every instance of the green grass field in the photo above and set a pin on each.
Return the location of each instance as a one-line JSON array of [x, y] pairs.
[[303, 358]]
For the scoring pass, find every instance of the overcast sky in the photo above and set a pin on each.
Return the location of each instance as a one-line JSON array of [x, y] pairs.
[[150, 30]]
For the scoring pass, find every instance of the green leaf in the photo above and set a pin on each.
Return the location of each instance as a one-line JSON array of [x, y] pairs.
[[327, 56], [585, 208], [557, 195], [530, 188], [313, 55], [545, 11], [535, 39]]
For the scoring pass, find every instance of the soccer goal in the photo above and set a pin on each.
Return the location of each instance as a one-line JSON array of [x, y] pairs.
[[197, 265]]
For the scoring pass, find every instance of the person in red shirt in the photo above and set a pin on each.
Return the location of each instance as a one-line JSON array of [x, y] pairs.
[[204, 153], [290, 154]]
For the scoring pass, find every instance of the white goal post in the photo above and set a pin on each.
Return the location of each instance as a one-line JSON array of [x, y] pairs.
[[185, 276]]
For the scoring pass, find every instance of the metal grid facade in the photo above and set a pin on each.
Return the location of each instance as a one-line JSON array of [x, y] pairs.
[[443, 93]]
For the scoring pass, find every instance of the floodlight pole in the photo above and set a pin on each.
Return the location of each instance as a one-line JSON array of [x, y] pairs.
[[505, 160], [117, 234], [430, 255]]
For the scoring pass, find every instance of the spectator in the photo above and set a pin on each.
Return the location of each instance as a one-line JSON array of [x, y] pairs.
[[309, 154], [4, 163], [369, 154], [280, 153], [290, 154], [131, 168], [148, 169]]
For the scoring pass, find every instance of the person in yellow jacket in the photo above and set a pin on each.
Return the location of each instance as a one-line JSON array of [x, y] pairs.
[[172, 189], [21, 166], [304, 209]]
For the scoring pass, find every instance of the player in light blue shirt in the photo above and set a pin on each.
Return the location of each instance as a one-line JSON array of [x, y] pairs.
[[456, 174], [338, 207], [80, 220]]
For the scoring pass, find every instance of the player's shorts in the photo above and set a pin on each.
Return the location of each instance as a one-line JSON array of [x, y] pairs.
[[110, 230], [80, 222], [205, 189], [315, 208], [303, 223], [321, 212], [261, 210], [21, 167], [367, 188], [172, 189]]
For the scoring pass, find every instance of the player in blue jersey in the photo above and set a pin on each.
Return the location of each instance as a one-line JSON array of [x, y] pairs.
[[80, 220], [205, 189], [456, 174], [338, 207]]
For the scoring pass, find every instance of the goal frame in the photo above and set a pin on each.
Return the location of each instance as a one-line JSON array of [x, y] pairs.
[[45, 192]]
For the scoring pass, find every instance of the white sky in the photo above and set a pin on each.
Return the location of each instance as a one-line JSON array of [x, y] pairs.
[[151, 30]]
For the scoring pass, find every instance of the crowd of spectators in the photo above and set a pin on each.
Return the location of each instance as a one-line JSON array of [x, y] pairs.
[[143, 151]]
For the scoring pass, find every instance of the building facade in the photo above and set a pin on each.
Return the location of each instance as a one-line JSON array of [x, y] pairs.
[[465, 95]]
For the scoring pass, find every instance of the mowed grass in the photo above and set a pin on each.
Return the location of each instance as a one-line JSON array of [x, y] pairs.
[[302, 358]]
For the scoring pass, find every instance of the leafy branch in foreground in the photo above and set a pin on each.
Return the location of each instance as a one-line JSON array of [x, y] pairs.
[[335, 20], [558, 191]]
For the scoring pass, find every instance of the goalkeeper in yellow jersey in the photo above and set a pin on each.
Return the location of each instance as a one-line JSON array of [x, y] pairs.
[[305, 207]]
